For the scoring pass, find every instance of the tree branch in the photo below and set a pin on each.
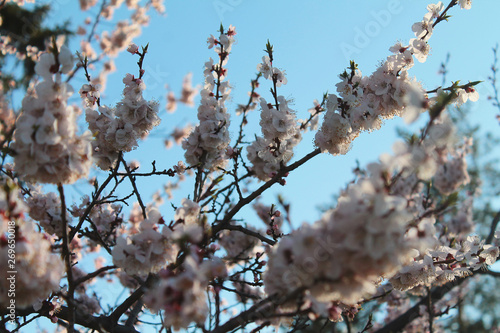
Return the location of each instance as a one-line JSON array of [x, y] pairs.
[[243, 202], [493, 228], [436, 294]]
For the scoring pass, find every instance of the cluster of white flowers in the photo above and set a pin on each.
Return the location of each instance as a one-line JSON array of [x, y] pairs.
[[90, 94], [188, 224], [444, 264], [105, 217], [34, 260], [147, 251], [118, 129], [46, 209], [452, 173], [206, 145], [363, 102], [182, 297], [377, 227], [340, 257], [279, 128], [46, 145], [238, 245], [462, 224], [6, 45]]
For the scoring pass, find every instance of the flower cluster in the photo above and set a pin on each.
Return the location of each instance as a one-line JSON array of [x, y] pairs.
[[118, 129], [34, 260], [452, 173], [238, 245], [206, 145], [444, 264], [120, 38], [46, 145], [378, 226], [340, 257], [279, 127], [147, 251], [364, 101], [46, 209], [188, 224], [105, 217], [182, 296]]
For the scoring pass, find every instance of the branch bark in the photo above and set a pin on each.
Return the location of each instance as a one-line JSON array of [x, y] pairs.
[[436, 294]]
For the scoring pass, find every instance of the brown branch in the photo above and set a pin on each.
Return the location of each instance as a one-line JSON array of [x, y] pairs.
[[99, 324], [488, 272], [244, 201], [265, 309], [136, 295], [134, 186], [66, 256], [93, 274], [96, 22], [493, 228], [404, 319], [254, 84], [244, 317], [95, 197], [249, 232], [443, 16]]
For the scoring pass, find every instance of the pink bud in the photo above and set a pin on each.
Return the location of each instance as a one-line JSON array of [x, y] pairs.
[[133, 49]]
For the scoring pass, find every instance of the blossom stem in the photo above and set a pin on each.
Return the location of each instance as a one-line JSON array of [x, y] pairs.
[[134, 186]]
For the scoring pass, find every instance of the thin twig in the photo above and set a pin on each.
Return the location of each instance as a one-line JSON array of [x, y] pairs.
[[66, 256], [134, 186], [493, 228], [95, 197]]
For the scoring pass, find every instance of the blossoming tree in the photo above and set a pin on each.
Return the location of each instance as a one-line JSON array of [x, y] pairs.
[[399, 235]]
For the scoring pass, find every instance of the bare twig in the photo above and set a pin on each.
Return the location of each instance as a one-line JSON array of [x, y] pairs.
[[66, 256], [493, 228]]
